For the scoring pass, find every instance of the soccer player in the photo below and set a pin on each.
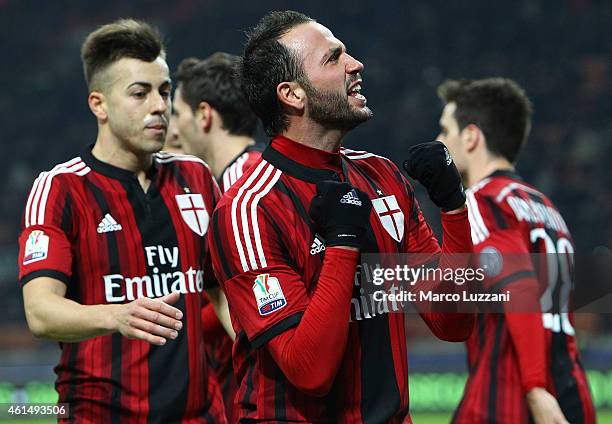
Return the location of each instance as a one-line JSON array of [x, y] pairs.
[[214, 118], [286, 239], [217, 124], [113, 254], [523, 364], [173, 142]]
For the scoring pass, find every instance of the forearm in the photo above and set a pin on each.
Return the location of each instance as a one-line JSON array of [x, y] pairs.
[[219, 302], [323, 329], [449, 323], [56, 318]]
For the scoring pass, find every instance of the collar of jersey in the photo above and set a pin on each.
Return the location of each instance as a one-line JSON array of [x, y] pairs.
[[303, 162], [112, 171], [505, 173]]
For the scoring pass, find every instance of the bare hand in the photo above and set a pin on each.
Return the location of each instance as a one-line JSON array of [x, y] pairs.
[[544, 407], [151, 320]]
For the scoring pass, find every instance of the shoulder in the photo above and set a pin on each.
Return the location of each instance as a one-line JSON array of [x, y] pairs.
[[51, 188], [184, 162], [256, 186], [365, 157], [63, 172]]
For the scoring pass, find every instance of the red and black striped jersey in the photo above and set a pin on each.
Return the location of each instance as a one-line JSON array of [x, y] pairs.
[[239, 165], [91, 225], [264, 245], [512, 352]]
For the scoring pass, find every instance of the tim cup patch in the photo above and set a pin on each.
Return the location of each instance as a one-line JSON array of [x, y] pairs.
[[268, 294], [36, 247]]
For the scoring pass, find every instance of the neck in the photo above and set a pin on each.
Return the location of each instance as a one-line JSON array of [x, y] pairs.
[[314, 135], [108, 149], [227, 147], [477, 172]]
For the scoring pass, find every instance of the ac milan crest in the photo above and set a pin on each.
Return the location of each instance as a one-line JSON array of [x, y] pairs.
[[390, 215], [194, 213]]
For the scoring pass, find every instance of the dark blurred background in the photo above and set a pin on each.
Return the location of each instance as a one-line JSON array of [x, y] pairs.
[[559, 51]]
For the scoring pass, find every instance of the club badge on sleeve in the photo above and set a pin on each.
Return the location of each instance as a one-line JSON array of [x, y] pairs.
[[36, 247], [268, 294]]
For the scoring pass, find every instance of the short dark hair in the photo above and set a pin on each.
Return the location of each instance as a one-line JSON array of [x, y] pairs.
[[214, 80], [114, 41], [266, 63], [498, 106]]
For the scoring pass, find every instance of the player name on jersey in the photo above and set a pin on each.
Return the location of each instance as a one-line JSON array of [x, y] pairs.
[[537, 213]]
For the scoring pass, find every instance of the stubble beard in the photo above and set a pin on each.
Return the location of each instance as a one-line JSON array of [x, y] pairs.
[[332, 109]]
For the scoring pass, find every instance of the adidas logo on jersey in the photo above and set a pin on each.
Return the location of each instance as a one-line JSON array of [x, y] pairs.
[[317, 246], [108, 224], [351, 198]]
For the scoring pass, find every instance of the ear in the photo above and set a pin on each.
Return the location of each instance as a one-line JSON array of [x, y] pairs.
[[472, 137], [97, 105], [291, 94], [204, 116]]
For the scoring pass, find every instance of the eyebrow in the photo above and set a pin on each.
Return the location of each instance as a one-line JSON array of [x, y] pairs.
[[331, 52], [148, 85]]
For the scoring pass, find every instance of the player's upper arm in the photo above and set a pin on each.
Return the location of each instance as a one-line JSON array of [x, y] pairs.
[[45, 240], [252, 262], [36, 294]]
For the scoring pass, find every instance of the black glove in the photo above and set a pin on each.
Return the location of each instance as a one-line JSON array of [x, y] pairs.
[[341, 213], [432, 165]]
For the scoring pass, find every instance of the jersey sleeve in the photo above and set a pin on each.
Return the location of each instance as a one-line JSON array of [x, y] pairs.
[[420, 238], [44, 243], [264, 291]]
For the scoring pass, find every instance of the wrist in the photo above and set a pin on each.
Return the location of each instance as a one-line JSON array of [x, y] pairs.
[[105, 318]]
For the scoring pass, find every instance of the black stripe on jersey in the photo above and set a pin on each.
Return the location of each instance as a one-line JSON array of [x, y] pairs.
[[219, 246], [66, 223], [280, 391], [168, 364], [297, 204], [276, 329], [518, 275], [481, 330], [114, 268], [500, 220], [52, 273], [492, 411], [297, 170], [566, 386], [69, 399]]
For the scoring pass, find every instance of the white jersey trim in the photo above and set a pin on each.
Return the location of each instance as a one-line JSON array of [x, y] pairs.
[[39, 195], [259, 183]]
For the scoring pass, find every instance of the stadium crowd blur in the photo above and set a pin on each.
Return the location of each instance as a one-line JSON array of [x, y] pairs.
[[559, 51]]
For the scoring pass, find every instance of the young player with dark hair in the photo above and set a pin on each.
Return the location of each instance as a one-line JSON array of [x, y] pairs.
[[214, 117], [523, 363], [113, 254], [298, 355]]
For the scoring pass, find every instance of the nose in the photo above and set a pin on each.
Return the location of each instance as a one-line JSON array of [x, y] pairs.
[[353, 66], [159, 104]]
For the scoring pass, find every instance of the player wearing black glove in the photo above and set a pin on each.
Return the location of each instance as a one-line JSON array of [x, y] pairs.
[[432, 165], [341, 213]]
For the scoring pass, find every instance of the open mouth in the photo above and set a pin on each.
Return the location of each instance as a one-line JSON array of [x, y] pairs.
[[355, 91]]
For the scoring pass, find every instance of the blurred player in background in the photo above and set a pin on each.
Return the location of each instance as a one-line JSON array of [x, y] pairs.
[[217, 124], [521, 364], [173, 143], [214, 118], [286, 239], [113, 252]]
